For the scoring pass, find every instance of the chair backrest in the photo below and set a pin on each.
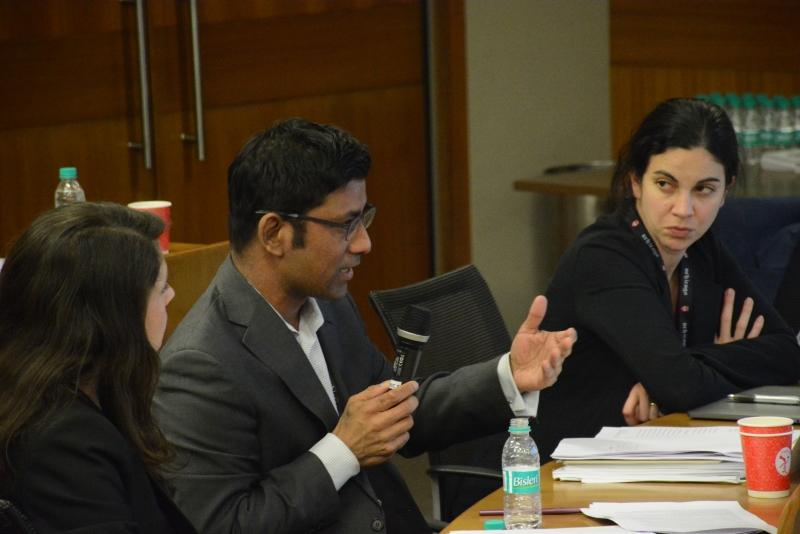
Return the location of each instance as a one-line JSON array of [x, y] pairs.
[[761, 233], [466, 325], [466, 328], [13, 521]]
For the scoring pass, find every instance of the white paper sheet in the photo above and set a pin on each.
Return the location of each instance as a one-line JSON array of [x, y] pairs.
[[680, 517], [576, 530], [727, 472], [650, 442]]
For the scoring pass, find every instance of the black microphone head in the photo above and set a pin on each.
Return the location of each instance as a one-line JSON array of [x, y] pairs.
[[416, 324]]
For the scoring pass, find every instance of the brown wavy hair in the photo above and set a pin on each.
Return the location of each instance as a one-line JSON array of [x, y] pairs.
[[73, 298]]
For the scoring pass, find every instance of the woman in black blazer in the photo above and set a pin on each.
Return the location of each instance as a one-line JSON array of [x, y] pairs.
[[83, 296], [665, 317]]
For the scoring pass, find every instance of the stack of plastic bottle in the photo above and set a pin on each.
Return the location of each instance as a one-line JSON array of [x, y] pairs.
[[764, 124]]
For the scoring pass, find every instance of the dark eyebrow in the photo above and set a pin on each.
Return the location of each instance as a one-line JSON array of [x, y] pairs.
[[703, 181], [355, 213], [665, 174]]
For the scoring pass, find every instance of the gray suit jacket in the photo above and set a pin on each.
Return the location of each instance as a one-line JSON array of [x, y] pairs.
[[242, 404]]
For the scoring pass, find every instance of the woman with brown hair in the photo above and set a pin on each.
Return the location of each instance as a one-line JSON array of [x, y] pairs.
[[83, 296]]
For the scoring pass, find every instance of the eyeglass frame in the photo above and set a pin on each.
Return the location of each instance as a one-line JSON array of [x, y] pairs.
[[349, 226]]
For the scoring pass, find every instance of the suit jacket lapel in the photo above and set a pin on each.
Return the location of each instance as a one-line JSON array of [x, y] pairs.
[[271, 342], [331, 343], [331, 348]]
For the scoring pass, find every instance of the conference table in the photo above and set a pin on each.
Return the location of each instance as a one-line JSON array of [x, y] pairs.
[[558, 494]]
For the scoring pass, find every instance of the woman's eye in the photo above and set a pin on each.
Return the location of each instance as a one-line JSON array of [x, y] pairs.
[[705, 189]]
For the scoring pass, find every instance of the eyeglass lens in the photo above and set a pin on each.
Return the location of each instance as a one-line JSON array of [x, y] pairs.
[[365, 218]]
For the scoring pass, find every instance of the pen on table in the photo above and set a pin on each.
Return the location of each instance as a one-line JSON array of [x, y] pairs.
[[545, 511], [764, 399]]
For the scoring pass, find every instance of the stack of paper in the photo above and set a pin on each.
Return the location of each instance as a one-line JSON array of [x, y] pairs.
[[574, 530], [695, 516], [652, 453]]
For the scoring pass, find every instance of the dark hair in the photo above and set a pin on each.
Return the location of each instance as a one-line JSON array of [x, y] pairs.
[[676, 123], [73, 298], [290, 167]]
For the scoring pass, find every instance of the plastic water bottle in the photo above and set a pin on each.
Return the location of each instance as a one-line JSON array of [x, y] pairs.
[[733, 106], [784, 127], [796, 114], [751, 130], [522, 499], [69, 191], [767, 135]]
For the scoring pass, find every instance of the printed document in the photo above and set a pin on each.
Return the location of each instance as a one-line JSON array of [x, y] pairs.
[[575, 530], [683, 517]]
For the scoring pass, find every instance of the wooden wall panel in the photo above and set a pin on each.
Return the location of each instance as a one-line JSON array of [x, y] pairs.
[[267, 59], [76, 73], [166, 13], [661, 50], [449, 93]]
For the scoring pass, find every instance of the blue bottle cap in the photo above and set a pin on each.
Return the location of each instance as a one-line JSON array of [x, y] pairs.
[[67, 173], [780, 102], [494, 524]]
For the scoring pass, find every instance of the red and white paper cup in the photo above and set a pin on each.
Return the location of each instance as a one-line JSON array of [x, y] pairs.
[[161, 209], [767, 450]]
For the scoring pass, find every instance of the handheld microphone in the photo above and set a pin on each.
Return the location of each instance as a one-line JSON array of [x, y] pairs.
[[412, 333]]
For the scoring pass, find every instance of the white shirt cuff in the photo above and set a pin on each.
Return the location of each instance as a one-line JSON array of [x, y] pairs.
[[522, 404], [338, 459]]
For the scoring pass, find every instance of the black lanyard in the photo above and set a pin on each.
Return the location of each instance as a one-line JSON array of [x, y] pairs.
[[684, 277]]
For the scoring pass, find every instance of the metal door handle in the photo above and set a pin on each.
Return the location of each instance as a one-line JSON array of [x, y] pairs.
[[144, 86], [199, 136]]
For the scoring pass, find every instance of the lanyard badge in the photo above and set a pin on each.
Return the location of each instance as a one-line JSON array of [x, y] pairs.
[[684, 276]]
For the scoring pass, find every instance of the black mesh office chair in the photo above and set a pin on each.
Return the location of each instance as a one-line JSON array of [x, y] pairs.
[[13, 521], [466, 327]]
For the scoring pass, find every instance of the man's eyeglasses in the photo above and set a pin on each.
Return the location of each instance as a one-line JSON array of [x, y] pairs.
[[349, 226]]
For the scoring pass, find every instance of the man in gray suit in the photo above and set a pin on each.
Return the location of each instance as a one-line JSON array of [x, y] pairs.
[[277, 402]]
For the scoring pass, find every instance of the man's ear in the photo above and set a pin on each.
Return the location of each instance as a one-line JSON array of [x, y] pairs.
[[270, 236]]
